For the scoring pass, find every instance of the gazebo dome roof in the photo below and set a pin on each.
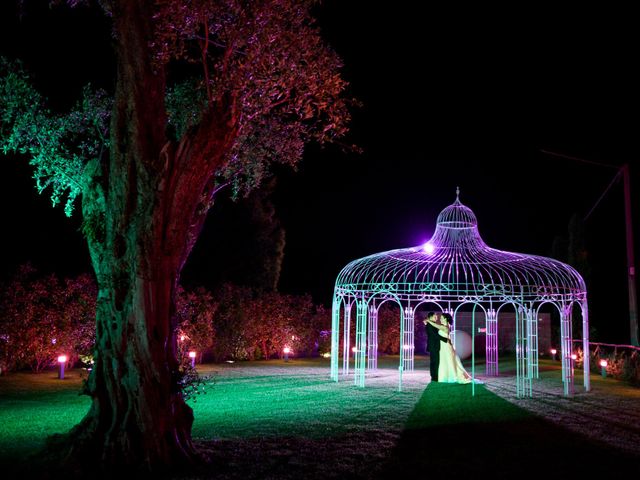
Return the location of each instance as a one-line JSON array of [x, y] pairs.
[[457, 215], [456, 264]]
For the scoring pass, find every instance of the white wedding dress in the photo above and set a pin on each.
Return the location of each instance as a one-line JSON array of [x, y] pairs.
[[450, 369]]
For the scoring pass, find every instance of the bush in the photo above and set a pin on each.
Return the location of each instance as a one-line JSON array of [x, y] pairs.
[[191, 383], [42, 317], [622, 363]]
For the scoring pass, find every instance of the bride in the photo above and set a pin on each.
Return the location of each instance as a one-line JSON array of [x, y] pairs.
[[450, 369]]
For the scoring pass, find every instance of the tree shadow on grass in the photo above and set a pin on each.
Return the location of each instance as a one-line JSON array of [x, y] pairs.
[[451, 434]]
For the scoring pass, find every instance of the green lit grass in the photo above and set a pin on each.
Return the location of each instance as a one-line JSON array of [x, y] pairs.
[[267, 419], [298, 401], [243, 400], [32, 407]]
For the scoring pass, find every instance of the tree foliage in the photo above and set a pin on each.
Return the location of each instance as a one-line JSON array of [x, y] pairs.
[[195, 310], [42, 317], [389, 329], [254, 324], [265, 60], [268, 62], [59, 145]]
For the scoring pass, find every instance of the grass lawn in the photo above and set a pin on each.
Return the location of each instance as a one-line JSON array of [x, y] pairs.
[[34, 406], [262, 399], [287, 420], [453, 435]]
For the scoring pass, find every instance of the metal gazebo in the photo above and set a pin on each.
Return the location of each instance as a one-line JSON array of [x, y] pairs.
[[457, 270]]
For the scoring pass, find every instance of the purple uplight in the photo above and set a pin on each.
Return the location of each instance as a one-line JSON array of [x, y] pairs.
[[62, 359], [428, 248]]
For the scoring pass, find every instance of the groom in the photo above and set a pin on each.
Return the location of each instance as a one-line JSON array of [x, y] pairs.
[[433, 344]]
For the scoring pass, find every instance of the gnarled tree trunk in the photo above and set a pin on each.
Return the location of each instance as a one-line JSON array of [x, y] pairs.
[[152, 201]]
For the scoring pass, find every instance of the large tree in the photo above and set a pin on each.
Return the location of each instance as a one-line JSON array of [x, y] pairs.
[[207, 95]]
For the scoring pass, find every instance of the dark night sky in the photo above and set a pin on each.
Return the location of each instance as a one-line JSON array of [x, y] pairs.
[[458, 97]]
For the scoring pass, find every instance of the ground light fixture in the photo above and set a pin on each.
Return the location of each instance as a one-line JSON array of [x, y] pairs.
[[603, 366], [62, 360], [286, 351], [192, 356]]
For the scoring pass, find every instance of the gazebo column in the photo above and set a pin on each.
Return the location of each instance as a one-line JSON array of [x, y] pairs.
[[452, 333], [491, 343], [566, 350], [361, 342], [408, 340], [523, 360], [372, 340], [335, 337], [585, 346], [532, 343], [346, 339]]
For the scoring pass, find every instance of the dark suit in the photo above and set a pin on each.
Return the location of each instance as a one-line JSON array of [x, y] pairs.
[[433, 345]]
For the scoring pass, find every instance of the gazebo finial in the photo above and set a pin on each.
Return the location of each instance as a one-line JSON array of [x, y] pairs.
[[457, 194]]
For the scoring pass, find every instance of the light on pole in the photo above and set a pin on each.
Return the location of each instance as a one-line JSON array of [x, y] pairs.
[[603, 366], [623, 171], [631, 265], [62, 360]]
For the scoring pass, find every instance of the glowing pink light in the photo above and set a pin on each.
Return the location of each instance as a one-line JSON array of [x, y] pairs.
[[553, 351], [574, 357], [62, 359], [287, 351], [354, 349], [192, 354], [182, 337], [603, 363], [428, 248]]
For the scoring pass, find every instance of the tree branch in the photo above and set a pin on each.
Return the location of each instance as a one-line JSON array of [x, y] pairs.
[[204, 46]]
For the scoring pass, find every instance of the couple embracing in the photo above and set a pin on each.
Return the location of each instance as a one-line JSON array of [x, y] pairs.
[[444, 363]]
